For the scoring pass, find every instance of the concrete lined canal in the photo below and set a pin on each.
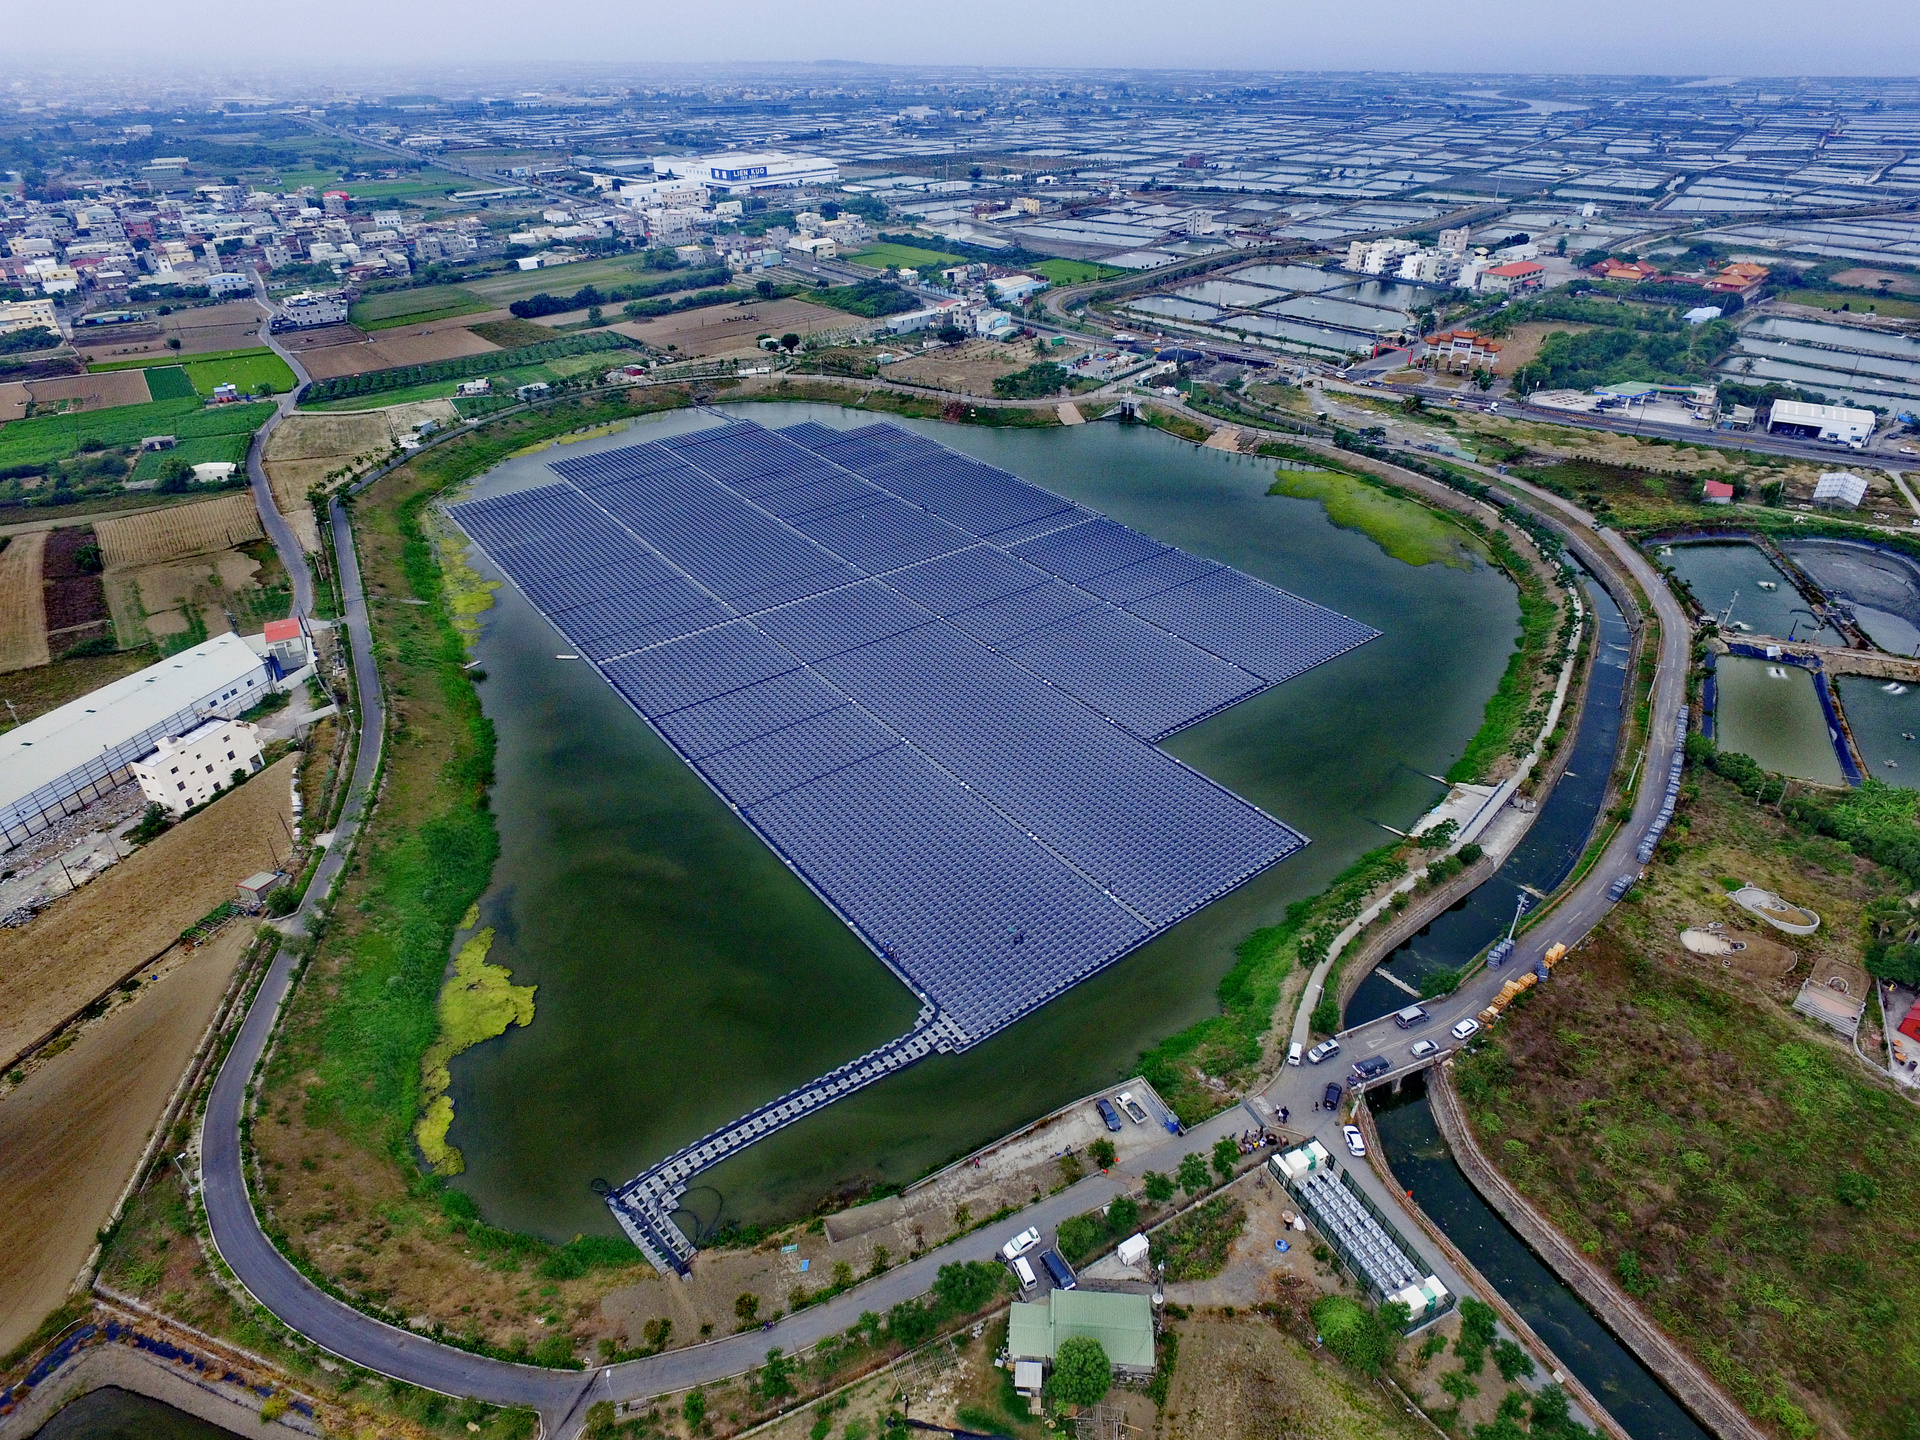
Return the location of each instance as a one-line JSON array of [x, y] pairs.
[[685, 975]]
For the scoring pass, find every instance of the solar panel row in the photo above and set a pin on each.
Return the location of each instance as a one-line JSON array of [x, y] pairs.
[[951, 789]]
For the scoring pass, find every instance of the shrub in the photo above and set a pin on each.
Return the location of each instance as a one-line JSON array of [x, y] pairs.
[[1512, 1362], [1363, 1338], [1477, 1325]]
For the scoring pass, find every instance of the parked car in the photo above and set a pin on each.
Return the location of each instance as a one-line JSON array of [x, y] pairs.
[[1293, 1053], [1356, 1142], [1620, 887], [1331, 1100], [1024, 1272], [1466, 1029], [1325, 1050], [1108, 1113], [1411, 1016], [1020, 1244], [1423, 1048], [1057, 1270]]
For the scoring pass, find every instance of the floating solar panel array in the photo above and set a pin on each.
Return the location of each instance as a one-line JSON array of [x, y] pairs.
[[931, 687]]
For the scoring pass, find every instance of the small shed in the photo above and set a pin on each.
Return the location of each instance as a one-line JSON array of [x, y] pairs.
[[1133, 1250], [253, 890]]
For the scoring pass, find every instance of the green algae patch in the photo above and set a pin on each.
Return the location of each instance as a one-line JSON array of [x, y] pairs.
[[478, 1002], [469, 594], [1409, 533]]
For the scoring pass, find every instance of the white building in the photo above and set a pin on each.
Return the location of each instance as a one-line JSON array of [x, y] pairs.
[[1378, 257], [742, 170], [1841, 426], [1012, 289], [229, 282], [310, 309], [53, 765], [1837, 487], [190, 769], [27, 314]]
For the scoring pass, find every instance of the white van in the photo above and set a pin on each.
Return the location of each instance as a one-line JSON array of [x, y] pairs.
[[1025, 1272], [1293, 1053]]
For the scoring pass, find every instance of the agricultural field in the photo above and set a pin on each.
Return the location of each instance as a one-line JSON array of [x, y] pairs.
[[1854, 302], [75, 600], [207, 329], [180, 575], [407, 307], [1074, 272], [731, 329], [133, 912], [502, 290], [47, 687], [46, 440], [555, 359], [308, 450], [390, 350], [969, 368], [23, 607], [418, 186], [246, 368], [70, 393], [169, 382], [904, 257]]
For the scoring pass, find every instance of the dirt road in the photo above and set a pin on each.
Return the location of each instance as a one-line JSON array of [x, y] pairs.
[[72, 1133], [60, 961]]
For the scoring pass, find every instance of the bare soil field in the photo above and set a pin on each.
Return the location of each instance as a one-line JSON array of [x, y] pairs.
[[322, 336], [394, 348], [217, 524], [174, 590], [23, 606], [727, 329], [76, 604], [232, 325], [970, 367], [1523, 344], [69, 954], [310, 445], [1238, 1378], [72, 1132], [14, 398], [1898, 282], [90, 392]]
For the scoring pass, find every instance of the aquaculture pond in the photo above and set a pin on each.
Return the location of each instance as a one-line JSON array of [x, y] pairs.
[[1735, 579], [1884, 716], [1771, 711], [685, 975], [111, 1413]]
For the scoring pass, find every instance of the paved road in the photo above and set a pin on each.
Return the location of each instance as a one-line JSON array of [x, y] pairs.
[[561, 1396], [285, 543]]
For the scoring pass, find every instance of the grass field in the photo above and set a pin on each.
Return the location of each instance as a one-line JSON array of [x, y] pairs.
[[1889, 305], [565, 280], [903, 257], [450, 312], [248, 371], [503, 383], [430, 184], [169, 382], [1074, 272], [46, 438], [406, 307]]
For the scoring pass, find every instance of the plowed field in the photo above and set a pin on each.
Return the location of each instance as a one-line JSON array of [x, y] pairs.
[[217, 524]]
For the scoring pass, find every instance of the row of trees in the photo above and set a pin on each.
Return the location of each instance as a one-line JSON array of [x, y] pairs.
[[465, 366]]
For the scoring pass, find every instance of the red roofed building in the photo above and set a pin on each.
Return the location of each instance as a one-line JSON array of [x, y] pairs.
[[1630, 272], [287, 643], [1462, 350], [1719, 493], [1911, 1025], [1742, 280], [1514, 276]]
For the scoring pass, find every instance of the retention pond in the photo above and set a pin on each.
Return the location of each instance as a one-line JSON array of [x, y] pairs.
[[684, 975]]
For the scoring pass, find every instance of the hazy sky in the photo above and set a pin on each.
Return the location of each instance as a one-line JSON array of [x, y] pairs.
[[1695, 37]]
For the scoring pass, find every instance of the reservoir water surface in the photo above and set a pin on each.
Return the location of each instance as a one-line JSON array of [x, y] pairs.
[[685, 975]]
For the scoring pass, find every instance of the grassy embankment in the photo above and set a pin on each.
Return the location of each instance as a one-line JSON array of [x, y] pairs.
[[1735, 1167]]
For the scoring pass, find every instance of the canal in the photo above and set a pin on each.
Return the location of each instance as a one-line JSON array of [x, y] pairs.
[[1421, 1161], [684, 975], [1545, 855]]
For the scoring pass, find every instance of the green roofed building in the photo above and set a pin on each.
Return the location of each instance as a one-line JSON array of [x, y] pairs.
[[1123, 1324]]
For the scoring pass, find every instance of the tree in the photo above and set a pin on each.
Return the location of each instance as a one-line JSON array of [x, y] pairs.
[[1226, 1155], [175, 476], [763, 288], [776, 1381], [693, 1409], [1101, 1152], [789, 342], [1483, 379], [746, 1308], [1192, 1174], [1082, 1374], [1158, 1187]]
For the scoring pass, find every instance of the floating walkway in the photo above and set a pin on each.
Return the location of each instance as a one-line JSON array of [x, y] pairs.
[[644, 1206]]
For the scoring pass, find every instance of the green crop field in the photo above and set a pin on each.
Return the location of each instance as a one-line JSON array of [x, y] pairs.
[[169, 382], [407, 307], [562, 279], [46, 438], [248, 371], [903, 257], [1074, 272], [149, 362], [430, 184], [1858, 302]]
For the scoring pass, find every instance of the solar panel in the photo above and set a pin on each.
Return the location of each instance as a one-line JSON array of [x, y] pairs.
[[926, 683]]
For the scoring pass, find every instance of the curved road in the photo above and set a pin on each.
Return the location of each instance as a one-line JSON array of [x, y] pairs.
[[562, 1396], [285, 542]]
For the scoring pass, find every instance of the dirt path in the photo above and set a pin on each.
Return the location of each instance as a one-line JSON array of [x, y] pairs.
[[23, 604], [72, 1133], [60, 961]]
